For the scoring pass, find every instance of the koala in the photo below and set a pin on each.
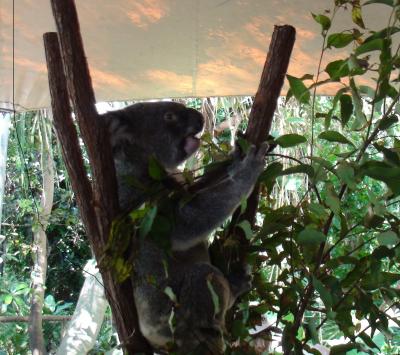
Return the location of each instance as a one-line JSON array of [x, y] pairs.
[[181, 298]]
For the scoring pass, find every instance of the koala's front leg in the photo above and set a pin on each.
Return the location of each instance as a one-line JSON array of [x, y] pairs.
[[211, 206]]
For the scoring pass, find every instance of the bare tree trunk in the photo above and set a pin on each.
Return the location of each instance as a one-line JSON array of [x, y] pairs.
[[39, 249]]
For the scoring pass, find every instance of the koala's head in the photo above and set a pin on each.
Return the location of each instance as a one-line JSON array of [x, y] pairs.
[[167, 130]]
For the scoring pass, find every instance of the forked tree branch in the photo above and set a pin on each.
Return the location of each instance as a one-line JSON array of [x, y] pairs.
[[98, 202]]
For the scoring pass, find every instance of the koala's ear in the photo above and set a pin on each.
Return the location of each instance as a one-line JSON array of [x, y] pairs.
[[170, 117]]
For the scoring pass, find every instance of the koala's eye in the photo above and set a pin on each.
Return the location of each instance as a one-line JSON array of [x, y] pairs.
[[170, 117]]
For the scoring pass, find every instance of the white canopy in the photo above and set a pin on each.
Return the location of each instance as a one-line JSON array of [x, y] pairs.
[[142, 49]]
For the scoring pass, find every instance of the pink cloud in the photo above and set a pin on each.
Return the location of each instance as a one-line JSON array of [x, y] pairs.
[[170, 79], [27, 63], [146, 12], [101, 78], [256, 28]]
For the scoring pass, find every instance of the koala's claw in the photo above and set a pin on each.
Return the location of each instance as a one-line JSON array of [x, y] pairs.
[[251, 165]]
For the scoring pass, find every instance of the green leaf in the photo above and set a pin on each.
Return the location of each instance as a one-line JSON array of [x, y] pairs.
[[391, 156], [360, 120], [385, 2], [147, 222], [50, 303], [356, 66], [310, 236], [171, 294], [214, 296], [244, 144], [156, 170], [325, 295], [299, 169], [272, 171], [323, 20], [334, 136], [246, 227], [385, 33], [318, 210], [290, 140], [332, 200], [339, 40], [373, 45], [342, 349], [299, 90], [382, 171], [346, 108], [387, 122], [356, 14], [388, 238], [376, 280], [337, 69], [346, 173], [7, 299]]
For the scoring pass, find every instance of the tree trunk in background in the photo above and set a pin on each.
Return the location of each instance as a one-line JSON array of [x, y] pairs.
[[36, 340]]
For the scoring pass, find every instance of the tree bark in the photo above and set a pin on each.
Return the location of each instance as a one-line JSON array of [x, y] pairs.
[[36, 340], [98, 203], [261, 116]]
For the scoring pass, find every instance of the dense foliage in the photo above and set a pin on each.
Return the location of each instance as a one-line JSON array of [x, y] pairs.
[[326, 254], [67, 248]]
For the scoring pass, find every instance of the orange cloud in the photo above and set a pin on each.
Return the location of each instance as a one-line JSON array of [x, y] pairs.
[[235, 48], [256, 28], [305, 34], [146, 12], [170, 79], [27, 63], [101, 78], [222, 78]]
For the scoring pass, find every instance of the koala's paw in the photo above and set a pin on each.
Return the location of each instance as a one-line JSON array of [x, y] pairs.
[[251, 165], [240, 283]]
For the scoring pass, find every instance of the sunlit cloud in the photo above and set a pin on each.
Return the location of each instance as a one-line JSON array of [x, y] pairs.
[[101, 78], [257, 29], [27, 64], [147, 12], [305, 34], [222, 78], [235, 48], [170, 79]]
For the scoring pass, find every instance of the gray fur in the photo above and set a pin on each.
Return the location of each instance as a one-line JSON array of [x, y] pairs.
[[161, 129]]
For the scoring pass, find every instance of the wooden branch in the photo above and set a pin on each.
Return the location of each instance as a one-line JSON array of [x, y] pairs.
[[120, 296], [68, 137], [271, 82], [93, 132], [25, 319], [262, 113], [265, 101]]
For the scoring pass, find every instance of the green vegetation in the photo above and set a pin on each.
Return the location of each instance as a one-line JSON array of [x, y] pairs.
[[325, 249]]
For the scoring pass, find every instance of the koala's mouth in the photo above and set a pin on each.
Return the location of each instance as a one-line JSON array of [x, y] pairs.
[[191, 143]]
